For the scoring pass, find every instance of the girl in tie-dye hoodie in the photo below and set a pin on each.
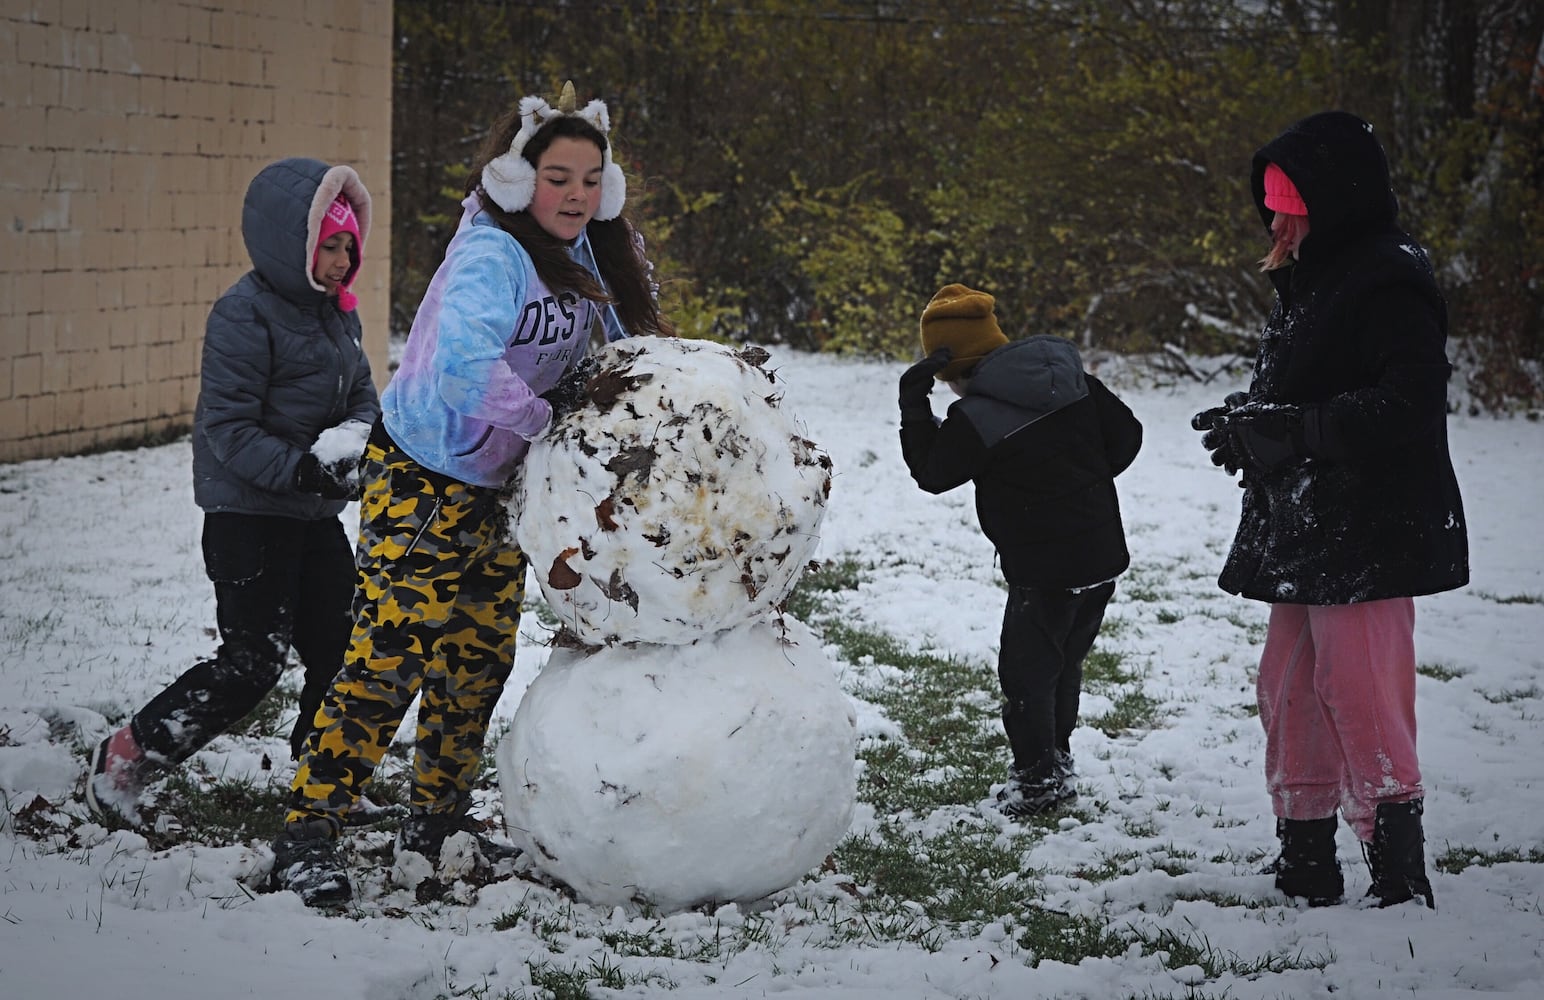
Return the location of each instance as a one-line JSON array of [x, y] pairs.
[[540, 257]]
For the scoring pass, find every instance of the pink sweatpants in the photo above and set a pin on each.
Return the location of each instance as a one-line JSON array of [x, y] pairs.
[[1337, 699]]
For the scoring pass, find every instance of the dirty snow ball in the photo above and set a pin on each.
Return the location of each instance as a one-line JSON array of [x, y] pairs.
[[681, 498], [654, 774]]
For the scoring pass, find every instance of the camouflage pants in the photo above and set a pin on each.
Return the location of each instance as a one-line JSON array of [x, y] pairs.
[[436, 610]]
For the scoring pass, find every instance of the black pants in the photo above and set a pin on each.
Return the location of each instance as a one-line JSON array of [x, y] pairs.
[[278, 582], [1046, 634]]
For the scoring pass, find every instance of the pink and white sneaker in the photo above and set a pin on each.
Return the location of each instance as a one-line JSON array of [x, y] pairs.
[[118, 772]]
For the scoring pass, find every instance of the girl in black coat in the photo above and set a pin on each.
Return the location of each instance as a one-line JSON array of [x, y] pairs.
[[1350, 505]]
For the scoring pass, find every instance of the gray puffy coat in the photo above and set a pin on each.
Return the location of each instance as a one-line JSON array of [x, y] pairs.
[[281, 361]]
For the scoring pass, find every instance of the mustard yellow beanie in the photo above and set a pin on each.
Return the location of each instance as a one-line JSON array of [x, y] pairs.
[[960, 319]]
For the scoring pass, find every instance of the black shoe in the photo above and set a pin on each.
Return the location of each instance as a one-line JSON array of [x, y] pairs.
[[1023, 796], [306, 861], [1306, 867], [1396, 857], [426, 833]]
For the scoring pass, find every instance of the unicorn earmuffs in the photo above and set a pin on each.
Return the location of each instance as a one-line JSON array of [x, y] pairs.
[[509, 178]]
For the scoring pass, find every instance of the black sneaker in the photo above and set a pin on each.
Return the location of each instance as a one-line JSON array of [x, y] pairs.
[[426, 833], [1023, 797], [306, 861]]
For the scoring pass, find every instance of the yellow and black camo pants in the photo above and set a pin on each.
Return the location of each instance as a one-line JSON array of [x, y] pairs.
[[436, 609]]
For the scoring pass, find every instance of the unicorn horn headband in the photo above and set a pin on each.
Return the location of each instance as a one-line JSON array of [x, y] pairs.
[[510, 179]]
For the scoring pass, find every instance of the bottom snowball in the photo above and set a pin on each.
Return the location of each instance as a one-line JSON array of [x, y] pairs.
[[676, 775]]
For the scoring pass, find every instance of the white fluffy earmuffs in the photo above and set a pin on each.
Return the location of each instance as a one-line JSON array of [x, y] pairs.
[[509, 178]]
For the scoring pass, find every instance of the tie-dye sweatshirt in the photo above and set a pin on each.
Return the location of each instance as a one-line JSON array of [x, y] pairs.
[[488, 339]]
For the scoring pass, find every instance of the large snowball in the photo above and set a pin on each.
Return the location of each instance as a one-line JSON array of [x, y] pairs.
[[657, 775], [682, 498]]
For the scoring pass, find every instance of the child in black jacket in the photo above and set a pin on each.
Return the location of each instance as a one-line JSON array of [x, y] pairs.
[[1043, 441]]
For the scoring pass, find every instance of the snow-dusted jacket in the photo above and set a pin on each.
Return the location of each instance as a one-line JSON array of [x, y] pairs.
[[1043, 441], [281, 361], [1371, 509], [489, 338]]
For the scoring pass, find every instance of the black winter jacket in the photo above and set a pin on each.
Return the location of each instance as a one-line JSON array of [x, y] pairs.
[[281, 361], [1043, 441], [1371, 508]]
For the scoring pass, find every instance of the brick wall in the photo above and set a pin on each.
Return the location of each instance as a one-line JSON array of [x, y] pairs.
[[129, 130]]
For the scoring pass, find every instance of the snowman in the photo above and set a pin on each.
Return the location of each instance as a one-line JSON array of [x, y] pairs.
[[687, 741]]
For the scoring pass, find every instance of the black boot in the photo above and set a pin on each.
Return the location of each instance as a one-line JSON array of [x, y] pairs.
[[1397, 855], [306, 862], [1306, 866]]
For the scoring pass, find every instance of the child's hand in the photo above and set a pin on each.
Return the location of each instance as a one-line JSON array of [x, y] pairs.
[[1210, 418], [311, 476], [1267, 437], [572, 390], [917, 381]]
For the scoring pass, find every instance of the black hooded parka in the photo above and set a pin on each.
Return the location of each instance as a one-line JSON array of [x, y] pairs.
[[1357, 340]]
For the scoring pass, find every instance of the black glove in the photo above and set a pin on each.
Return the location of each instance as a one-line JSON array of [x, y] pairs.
[[1218, 440], [313, 477], [917, 381], [1268, 438], [1210, 418], [572, 390]]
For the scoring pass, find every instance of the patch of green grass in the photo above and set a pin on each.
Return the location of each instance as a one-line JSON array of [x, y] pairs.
[[573, 982], [954, 747], [1103, 668], [1133, 709], [1509, 695], [1055, 936], [221, 810], [633, 944], [1512, 598], [964, 874], [1110, 866], [808, 597], [1440, 671], [1456, 859], [1194, 948], [1223, 900]]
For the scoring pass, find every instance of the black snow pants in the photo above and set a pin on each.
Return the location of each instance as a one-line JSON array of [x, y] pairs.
[[1046, 634], [278, 582]]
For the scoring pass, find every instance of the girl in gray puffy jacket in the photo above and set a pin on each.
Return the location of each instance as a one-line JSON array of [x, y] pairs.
[[285, 403]]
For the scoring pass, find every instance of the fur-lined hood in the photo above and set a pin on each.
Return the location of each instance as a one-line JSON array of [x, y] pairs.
[[282, 215]]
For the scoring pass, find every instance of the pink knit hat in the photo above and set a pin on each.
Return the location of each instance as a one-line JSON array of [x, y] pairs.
[[1281, 194], [340, 219]]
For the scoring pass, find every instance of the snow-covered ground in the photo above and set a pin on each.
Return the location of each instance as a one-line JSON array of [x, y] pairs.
[[103, 600]]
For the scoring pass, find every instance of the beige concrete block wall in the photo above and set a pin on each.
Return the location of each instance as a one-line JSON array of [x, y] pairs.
[[129, 130]]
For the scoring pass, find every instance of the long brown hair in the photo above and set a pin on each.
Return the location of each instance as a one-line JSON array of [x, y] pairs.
[[1286, 234], [615, 242]]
